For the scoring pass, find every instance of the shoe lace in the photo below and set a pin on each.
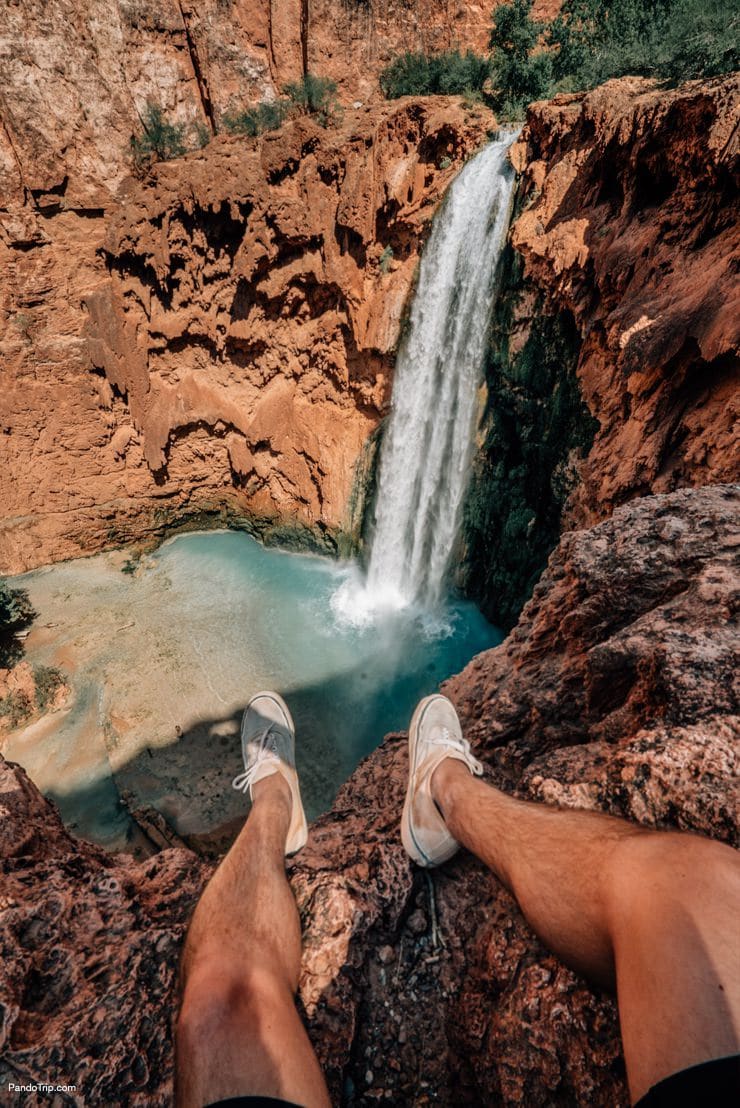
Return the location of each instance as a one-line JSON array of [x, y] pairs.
[[266, 743], [457, 742]]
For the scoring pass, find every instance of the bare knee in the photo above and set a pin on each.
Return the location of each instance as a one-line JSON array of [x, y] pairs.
[[219, 998], [652, 875]]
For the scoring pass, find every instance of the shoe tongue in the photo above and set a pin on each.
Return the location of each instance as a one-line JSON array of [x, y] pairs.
[[265, 767]]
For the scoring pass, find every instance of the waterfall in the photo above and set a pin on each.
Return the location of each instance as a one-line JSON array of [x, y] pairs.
[[426, 453]]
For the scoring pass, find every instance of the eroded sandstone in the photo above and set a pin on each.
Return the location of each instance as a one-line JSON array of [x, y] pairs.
[[631, 225], [221, 344]]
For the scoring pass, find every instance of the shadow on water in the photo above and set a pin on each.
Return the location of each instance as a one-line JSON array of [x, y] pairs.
[[339, 721], [163, 663]]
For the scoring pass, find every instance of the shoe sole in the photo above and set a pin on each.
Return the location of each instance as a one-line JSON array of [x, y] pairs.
[[298, 830], [411, 846]]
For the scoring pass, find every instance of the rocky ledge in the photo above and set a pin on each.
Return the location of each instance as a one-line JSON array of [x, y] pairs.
[[616, 691]]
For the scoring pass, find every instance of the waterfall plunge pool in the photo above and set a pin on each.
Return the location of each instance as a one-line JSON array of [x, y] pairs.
[[162, 662]]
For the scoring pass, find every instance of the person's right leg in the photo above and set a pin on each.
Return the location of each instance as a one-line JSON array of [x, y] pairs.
[[238, 1032], [654, 913]]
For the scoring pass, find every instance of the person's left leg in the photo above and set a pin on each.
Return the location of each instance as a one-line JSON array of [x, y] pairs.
[[238, 1031]]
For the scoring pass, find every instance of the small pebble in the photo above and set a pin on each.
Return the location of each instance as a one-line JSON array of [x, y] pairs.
[[417, 922]]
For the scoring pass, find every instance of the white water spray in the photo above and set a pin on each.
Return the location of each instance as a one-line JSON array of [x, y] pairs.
[[426, 453]]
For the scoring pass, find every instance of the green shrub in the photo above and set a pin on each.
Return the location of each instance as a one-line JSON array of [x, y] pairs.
[[48, 680], [159, 141], [202, 134], [310, 96], [16, 612], [314, 96], [588, 42], [16, 708], [385, 259], [676, 40], [267, 116], [449, 73]]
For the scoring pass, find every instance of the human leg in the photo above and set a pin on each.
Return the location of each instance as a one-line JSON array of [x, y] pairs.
[[653, 913], [238, 1031]]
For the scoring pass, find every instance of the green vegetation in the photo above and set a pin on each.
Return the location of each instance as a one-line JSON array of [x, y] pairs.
[[672, 40], [16, 708], [16, 612], [267, 116], [521, 72], [450, 73], [588, 42], [314, 96], [385, 259], [48, 679], [535, 429], [159, 141], [311, 95], [202, 135]]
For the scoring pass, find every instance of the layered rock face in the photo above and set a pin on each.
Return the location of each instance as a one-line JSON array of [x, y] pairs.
[[222, 341], [615, 693], [74, 79], [631, 225], [613, 363]]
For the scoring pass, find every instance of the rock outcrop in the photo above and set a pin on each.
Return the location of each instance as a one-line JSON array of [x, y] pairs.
[[220, 342], [631, 224], [613, 361], [616, 692]]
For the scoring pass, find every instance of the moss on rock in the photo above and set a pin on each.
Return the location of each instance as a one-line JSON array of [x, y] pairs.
[[534, 431]]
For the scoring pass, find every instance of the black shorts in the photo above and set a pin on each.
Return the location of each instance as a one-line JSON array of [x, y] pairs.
[[712, 1084], [252, 1102]]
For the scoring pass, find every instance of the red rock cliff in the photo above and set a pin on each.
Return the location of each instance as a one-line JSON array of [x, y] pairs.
[[220, 339], [632, 223]]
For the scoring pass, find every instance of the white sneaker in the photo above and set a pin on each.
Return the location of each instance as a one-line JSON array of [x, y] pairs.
[[268, 746], [434, 735]]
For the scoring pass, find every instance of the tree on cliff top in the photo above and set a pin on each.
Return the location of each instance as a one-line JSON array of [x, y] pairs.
[[521, 72], [588, 42], [677, 40], [448, 74]]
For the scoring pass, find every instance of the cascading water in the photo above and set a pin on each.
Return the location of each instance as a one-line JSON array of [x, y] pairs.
[[426, 453]]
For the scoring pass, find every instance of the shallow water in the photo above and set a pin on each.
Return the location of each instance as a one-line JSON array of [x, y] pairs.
[[162, 663]]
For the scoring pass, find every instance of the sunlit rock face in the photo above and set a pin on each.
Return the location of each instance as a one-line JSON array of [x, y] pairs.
[[631, 225], [219, 339]]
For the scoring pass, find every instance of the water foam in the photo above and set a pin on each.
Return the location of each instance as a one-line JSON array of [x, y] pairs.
[[426, 453]]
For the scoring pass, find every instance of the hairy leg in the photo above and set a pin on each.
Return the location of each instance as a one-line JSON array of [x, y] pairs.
[[238, 1032], [653, 914]]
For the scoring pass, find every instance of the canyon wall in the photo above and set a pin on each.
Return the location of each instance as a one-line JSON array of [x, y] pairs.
[[632, 225], [220, 340], [323, 228], [614, 355]]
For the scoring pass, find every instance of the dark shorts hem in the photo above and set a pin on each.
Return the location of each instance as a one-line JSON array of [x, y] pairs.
[[715, 1084], [252, 1102]]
